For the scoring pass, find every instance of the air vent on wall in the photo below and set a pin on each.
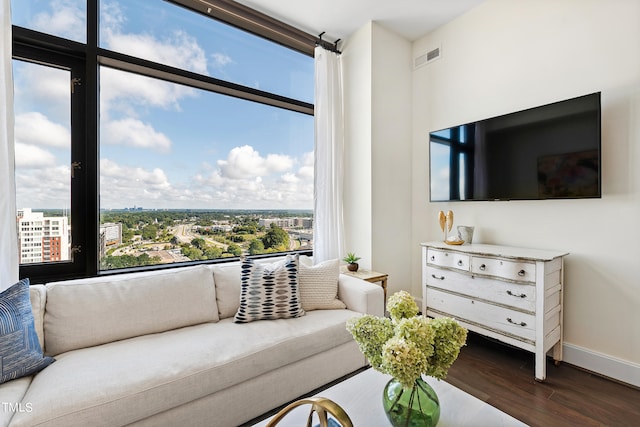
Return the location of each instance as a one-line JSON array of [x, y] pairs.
[[427, 57]]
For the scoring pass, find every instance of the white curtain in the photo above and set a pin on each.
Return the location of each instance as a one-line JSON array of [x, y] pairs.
[[328, 227], [8, 232]]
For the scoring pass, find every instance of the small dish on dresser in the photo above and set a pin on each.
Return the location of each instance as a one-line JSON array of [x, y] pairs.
[[454, 242]]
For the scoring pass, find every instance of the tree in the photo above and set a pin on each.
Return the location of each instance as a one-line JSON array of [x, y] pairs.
[[276, 237], [234, 249], [211, 252], [127, 235], [192, 253], [199, 243], [256, 247], [149, 232]]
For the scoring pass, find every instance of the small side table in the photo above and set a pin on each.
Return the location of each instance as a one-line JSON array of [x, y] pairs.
[[370, 276]]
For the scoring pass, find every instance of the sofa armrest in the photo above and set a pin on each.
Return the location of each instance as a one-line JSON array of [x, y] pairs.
[[360, 295]]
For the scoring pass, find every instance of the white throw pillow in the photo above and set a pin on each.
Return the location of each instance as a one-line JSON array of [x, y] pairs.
[[227, 280], [319, 284]]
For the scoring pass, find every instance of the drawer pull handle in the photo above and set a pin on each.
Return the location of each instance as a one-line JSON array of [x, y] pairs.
[[433, 258], [436, 277], [515, 295], [483, 267], [516, 323], [460, 263], [521, 273]]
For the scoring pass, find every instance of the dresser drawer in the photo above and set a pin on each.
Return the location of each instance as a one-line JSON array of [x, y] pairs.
[[448, 259], [499, 319], [517, 295], [505, 269]]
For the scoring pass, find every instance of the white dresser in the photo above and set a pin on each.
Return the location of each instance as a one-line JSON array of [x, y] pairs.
[[511, 294]]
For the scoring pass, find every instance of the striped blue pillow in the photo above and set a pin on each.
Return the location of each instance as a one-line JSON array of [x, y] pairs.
[[20, 351], [269, 291]]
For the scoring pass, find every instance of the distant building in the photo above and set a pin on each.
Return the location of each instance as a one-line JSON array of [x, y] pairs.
[[42, 239], [287, 222], [110, 235], [282, 223]]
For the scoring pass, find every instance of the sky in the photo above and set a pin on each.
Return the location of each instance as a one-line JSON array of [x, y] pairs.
[[164, 145]]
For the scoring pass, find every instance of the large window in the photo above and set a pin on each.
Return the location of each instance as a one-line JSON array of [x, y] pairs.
[[196, 141]]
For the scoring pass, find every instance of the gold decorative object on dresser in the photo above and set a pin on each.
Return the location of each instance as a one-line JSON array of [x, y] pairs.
[[514, 295]]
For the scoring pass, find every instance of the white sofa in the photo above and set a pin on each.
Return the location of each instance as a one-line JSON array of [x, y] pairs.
[[161, 349]]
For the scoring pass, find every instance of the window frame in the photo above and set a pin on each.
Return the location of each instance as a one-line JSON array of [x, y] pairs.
[[84, 61]]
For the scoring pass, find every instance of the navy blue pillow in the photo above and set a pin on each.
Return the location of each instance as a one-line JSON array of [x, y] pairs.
[[20, 351]]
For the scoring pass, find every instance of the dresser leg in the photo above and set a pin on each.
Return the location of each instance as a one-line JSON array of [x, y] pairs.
[[541, 365]]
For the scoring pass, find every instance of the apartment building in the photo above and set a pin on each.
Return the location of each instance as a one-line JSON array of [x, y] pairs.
[[42, 238]]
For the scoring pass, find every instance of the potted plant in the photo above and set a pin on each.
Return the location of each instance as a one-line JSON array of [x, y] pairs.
[[352, 261]]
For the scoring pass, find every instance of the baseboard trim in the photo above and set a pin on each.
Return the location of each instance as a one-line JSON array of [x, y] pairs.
[[617, 369]]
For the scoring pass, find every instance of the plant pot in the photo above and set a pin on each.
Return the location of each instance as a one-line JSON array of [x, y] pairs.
[[353, 266]]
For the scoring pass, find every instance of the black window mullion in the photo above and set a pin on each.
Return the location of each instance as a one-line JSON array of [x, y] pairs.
[[38, 53], [90, 149]]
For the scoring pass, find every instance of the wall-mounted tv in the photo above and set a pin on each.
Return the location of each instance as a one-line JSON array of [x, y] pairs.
[[546, 152]]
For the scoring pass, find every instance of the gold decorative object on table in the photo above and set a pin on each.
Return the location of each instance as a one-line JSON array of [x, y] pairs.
[[319, 405]]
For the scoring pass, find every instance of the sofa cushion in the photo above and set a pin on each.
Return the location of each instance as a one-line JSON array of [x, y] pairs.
[[87, 312], [20, 350], [319, 284], [124, 381], [269, 291], [11, 398]]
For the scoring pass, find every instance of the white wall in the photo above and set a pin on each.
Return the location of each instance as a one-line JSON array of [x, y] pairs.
[[378, 144], [504, 56], [356, 62]]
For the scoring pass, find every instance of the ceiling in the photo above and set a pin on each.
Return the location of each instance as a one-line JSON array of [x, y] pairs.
[[411, 19]]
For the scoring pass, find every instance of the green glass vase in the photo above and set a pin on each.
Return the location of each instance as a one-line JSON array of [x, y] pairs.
[[417, 406]]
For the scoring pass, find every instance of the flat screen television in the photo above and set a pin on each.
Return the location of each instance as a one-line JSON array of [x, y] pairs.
[[546, 152]]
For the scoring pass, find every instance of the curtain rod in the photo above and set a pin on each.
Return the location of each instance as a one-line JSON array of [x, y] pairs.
[[258, 23], [333, 47]]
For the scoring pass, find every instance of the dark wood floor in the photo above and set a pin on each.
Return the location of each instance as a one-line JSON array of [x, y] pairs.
[[504, 377]]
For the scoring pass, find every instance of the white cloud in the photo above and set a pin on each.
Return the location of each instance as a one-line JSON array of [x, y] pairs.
[[48, 187], [220, 60], [122, 186], [67, 19], [125, 177], [29, 156], [43, 86], [178, 50], [125, 92], [306, 170], [247, 180], [134, 133], [290, 178], [245, 162], [36, 129]]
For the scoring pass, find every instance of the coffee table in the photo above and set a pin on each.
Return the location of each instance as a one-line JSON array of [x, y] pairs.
[[361, 397]]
